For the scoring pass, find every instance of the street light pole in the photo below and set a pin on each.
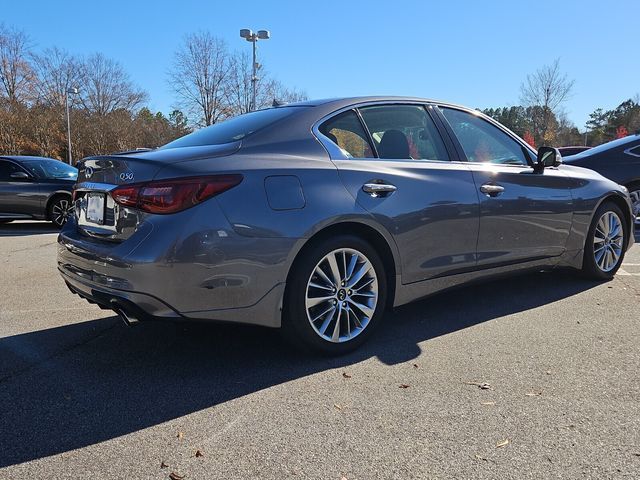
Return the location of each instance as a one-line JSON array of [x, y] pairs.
[[252, 37], [72, 91]]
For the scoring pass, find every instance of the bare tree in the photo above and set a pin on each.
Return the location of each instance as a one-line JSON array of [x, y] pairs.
[[547, 88], [200, 69], [15, 71], [239, 90], [56, 72], [106, 87]]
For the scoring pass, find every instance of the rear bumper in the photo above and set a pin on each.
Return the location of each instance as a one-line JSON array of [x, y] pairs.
[[191, 265]]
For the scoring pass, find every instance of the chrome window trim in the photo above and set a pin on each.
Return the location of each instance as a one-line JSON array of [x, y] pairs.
[[335, 152], [629, 152]]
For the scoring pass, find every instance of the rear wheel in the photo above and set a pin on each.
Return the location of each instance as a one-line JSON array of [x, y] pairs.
[[336, 296], [59, 210], [605, 244]]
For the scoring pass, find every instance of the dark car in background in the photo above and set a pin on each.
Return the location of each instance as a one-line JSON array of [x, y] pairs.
[[618, 160], [572, 150], [36, 188]]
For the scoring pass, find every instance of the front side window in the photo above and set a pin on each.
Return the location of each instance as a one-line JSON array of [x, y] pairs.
[[346, 131], [6, 169], [483, 142], [404, 132], [52, 169]]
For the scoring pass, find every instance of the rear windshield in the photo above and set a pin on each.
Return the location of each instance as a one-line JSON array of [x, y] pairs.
[[51, 169], [234, 129]]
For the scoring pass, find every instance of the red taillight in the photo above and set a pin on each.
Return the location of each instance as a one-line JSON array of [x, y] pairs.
[[170, 196]]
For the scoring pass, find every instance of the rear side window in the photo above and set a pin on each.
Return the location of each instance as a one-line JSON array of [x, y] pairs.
[[234, 129], [635, 151], [483, 142], [346, 131], [404, 132]]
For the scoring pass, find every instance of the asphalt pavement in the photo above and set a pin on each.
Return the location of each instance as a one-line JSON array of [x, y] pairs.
[[536, 376]]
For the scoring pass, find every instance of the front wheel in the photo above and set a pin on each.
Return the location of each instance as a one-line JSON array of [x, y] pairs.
[[605, 244], [335, 296]]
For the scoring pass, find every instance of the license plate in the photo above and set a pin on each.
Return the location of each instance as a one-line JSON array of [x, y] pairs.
[[95, 208]]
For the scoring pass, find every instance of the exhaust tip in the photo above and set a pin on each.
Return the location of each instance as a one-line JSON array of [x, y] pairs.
[[126, 317]]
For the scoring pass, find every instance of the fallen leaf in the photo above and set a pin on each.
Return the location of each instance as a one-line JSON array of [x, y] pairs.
[[180, 435], [175, 476], [487, 403], [403, 385], [163, 465], [346, 375], [503, 443], [571, 425], [337, 406], [199, 454], [481, 386], [415, 365], [533, 394], [478, 457]]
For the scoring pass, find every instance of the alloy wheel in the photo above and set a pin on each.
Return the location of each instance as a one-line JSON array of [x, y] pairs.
[[341, 295], [60, 211], [608, 240]]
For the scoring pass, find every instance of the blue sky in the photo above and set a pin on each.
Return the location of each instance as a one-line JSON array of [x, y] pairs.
[[472, 52]]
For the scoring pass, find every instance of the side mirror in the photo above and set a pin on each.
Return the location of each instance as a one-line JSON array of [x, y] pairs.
[[548, 157], [20, 176]]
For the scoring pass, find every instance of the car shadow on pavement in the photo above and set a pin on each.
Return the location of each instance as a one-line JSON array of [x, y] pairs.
[[111, 380], [24, 228]]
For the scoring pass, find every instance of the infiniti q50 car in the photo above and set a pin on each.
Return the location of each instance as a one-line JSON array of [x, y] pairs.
[[316, 216]]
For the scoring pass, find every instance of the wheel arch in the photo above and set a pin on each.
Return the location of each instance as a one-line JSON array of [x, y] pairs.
[[620, 201], [383, 244]]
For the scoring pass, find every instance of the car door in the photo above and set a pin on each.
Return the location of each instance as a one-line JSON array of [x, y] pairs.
[[19, 197], [524, 214], [394, 162]]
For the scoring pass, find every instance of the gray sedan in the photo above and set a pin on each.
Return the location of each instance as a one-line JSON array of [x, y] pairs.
[[317, 216]]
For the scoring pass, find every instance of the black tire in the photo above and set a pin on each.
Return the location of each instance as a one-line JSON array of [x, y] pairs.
[[296, 324], [590, 268], [57, 208]]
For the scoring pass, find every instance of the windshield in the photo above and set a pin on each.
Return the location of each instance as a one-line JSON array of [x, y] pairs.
[[234, 129], [51, 169]]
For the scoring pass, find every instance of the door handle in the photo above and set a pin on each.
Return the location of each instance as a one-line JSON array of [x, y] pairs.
[[379, 189], [491, 190]]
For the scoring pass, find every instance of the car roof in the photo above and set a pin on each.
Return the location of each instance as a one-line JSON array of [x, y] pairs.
[[620, 142], [19, 158], [345, 101]]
